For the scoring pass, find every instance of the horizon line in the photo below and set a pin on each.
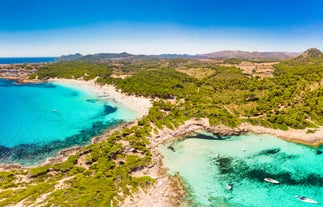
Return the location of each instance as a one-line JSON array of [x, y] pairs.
[[196, 54]]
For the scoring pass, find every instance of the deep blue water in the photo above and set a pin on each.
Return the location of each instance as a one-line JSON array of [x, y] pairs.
[[38, 120], [17, 60]]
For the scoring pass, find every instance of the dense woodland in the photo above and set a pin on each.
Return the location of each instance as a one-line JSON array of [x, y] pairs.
[[73, 70], [97, 174]]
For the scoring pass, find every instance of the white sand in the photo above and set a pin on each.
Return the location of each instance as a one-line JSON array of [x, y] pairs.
[[140, 104]]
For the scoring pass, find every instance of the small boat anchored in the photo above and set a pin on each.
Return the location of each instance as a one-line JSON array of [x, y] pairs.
[[307, 200], [216, 155], [270, 180], [229, 186]]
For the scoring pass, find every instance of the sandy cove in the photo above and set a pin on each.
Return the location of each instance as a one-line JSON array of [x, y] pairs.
[[140, 104], [168, 191]]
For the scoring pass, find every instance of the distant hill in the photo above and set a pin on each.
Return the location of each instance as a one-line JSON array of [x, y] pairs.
[[251, 55], [242, 55], [309, 55], [170, 56], [69, 57], [105, 57], [101, 57]]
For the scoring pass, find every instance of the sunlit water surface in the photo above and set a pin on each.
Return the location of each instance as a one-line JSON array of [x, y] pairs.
[[207, 165], [38, 120]]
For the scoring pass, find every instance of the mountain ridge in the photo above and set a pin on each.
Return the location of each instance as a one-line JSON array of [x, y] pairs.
[[243, 55], [251, 55]]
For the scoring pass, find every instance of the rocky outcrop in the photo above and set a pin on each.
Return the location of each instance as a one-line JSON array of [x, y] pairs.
[[168, 190], [192, 126], [312, 53], [309, 55]]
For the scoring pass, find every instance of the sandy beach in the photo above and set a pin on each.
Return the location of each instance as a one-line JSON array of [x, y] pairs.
[[168, 191], [140, 104], [300, 136]]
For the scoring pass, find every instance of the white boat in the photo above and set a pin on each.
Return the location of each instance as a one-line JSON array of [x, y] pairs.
[[270, 180], [216, 155], [307, 200], [229, 186]]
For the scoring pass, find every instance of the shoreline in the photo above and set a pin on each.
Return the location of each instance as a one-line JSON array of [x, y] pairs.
[[177, 196], [168, 190], [139, 104], [292, 135]]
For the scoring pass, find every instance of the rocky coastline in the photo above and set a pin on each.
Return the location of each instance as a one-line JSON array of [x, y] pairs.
[[172, 196], [169, 190]]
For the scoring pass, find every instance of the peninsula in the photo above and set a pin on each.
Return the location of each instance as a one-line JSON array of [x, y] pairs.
[[175, 97]]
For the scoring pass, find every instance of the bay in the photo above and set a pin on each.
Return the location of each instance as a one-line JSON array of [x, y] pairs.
[[38, 120], [207, 164]]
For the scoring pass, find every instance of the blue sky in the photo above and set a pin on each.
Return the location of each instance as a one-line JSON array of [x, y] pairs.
[[57, 27]]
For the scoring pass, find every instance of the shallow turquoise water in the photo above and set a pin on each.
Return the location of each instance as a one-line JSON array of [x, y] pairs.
[[207, 165], [37, 120]]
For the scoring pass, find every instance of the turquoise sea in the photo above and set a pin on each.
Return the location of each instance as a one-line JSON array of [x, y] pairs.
[[38, 120], [207, 163]]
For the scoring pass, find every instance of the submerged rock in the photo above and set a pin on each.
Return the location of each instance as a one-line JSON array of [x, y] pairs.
[[269, 151], [171, 148], [219, 201], [224, 164]]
